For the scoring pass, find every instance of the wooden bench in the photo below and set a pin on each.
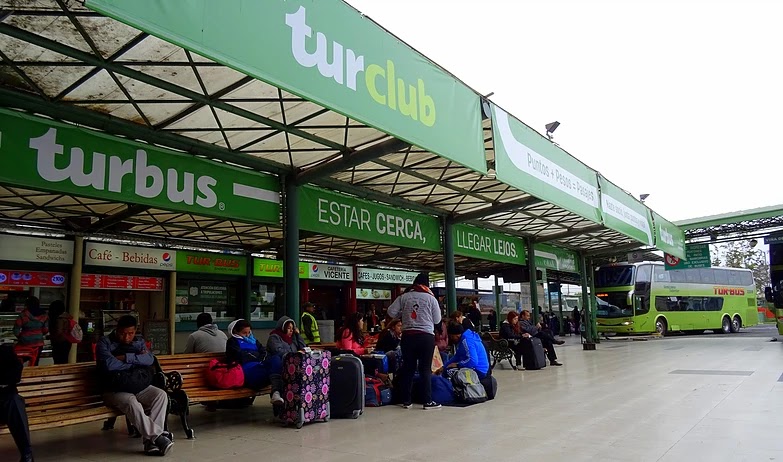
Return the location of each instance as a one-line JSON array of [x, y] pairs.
[[192, 388], [58, 396]]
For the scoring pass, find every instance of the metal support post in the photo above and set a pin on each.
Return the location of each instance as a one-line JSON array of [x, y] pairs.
[[449, 270], [247, 306], [291, 254], [589, 344], [531, 266]]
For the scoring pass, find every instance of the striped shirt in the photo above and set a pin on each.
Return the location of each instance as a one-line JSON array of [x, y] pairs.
[[30, 330]]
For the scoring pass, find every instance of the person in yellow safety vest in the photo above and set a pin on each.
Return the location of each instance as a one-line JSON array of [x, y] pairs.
[[310, 325]]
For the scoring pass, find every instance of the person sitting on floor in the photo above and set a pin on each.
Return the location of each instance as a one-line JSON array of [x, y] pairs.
[[208, 338], [470, 351], [547, 340], [283, 340], [124, 363], [389, 340], [351, 338], [512, 332], [12, 411], [260, 369], [460, 318]]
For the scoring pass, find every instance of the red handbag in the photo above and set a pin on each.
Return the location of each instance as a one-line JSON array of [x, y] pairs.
[[224, 376]]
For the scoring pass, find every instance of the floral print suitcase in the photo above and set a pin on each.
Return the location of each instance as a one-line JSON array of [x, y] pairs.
[[306, 379]]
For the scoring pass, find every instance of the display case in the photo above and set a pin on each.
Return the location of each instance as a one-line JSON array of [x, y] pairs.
[[7, 321]]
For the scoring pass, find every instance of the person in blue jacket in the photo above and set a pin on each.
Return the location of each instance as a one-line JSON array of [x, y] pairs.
[[470, 350]]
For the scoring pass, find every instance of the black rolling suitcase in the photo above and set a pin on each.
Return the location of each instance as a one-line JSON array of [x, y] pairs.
[[346, 397], [533, 355]]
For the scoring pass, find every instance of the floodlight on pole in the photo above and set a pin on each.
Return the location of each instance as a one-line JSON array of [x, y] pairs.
[[550, 128], [643, 197]]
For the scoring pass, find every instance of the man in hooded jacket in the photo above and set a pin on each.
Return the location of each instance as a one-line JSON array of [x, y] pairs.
[[208, 338]]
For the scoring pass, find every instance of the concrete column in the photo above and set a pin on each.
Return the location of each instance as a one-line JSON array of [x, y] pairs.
[[75, 288], [291, 255], [172, 311], [449, 270], [531, 266]]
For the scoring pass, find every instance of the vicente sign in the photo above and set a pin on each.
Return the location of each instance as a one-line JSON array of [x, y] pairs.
[[329, 272], [36, 249], [530, 162], [335, 214], [329, 53], [42, 154], [99, 254], [214, 263], [470, 241]]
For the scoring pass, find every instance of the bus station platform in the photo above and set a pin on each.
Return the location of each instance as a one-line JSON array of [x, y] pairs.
[[708, 397]]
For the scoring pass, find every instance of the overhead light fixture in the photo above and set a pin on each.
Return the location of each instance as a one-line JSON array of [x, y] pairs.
[[643, 197], [550, 128], [753, 243]]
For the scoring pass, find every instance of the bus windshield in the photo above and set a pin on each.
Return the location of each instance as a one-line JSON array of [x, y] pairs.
[[614, 276], [613, 305]]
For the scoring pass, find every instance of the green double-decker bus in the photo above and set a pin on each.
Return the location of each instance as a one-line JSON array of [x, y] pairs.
[[646, 298]]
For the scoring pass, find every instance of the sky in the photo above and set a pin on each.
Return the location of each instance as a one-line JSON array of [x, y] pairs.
[[682, 100]]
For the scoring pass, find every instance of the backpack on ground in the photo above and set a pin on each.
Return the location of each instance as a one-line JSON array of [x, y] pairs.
[[467, 386]]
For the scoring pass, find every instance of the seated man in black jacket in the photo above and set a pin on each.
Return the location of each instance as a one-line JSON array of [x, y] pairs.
[[12, 411], [547, 340], [125, 365]]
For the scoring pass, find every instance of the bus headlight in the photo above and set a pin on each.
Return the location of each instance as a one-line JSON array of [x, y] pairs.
[[628, 323]]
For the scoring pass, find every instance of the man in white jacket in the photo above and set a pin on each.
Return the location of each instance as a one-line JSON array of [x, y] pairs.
[[208, 338]]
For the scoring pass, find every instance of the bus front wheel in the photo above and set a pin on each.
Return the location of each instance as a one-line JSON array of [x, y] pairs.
[[736, 324], [661, 327]]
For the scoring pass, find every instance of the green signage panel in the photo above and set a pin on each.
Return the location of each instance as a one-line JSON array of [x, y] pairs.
[[623, 213], [696, 256], [470, 241], [263, 267], [668, 237], [329, 53], [335, 214], [42, 154], [212, 263], [555, 258], [526, 160]]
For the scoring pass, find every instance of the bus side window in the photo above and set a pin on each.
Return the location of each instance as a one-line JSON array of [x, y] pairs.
[[707, 275], [746, 278], [677, 276], [735, 278], [721, 276], [660, 274]]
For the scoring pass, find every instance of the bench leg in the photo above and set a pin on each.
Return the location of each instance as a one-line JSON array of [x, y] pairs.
[[180, 405]]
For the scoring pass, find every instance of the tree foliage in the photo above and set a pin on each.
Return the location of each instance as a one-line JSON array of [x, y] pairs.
[[740, 254]]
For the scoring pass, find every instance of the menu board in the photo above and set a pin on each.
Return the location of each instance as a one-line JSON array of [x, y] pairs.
[[31, 278], [158, 333], [105, 281]]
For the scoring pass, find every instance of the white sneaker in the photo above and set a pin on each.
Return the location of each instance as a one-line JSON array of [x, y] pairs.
[[276, 398]]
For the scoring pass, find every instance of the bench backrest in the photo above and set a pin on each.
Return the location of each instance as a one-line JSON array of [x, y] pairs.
[[46, 388]]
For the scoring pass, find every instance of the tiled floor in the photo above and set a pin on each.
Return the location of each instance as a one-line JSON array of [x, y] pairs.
[[619, 403]]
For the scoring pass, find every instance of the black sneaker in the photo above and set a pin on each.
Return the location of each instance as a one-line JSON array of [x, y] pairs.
[[555, 363], [164, 444], [151, 449], [406, 405], [431, 405], [27, 458]]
